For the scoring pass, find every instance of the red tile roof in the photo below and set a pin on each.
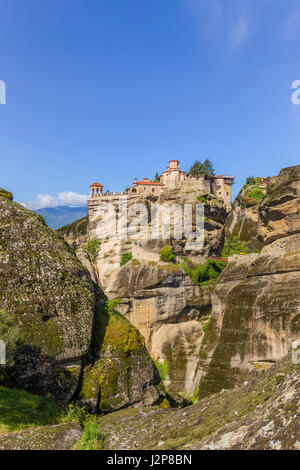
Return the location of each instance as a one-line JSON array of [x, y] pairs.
[[99, 185], [148, 182]]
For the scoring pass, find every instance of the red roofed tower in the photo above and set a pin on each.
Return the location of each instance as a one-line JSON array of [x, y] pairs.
[[96, 190]]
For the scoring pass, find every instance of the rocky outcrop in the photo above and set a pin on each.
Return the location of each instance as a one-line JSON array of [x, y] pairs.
[[106, 263], [65, 330], [159, 299], [212, 337], [243, 221], [279, 210], [75, 234], [51, 298], [62, 436], [123, 373], [261, 414], [162, 302], [256, 302]]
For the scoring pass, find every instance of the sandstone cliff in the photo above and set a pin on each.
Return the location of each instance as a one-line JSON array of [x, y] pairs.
[[256, 302], [210, 337], [64, 327], [243, 221], [159, 299]]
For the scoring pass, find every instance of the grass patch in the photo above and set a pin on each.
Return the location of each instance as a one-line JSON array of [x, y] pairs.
[[92, 248], [256, 193], [20, 409], [202, 199], [125, 258], [163, 369], [235, 247]]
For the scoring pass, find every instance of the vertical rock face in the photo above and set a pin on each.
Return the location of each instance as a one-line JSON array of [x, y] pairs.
[[50, 296], [169, 311], [279, 210], [65, 334], [159, 299], [243, 221], [256, 303], [210, 338]]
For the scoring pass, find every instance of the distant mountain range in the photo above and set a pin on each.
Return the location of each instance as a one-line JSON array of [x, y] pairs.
[[59, 216]]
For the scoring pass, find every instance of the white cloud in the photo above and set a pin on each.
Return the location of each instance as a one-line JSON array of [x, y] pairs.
[[231, 19], [239, 29], [70, 198], [292, 24], [67, 198]]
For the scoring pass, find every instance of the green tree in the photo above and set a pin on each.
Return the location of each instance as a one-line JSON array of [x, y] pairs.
[[156, 179], [166, 254], [199, 169], [196, 170], [208, 168]]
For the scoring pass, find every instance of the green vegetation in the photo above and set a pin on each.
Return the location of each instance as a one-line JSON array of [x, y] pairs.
[[163, 369], [234, 247], [190, 399], [92, 248], [156, 179], [135, 262], [6, 194], [92, 438], [202, 199], [199, 169], [126, 347], [205, 326], [20, 410], [166, 254], [250, 180], [256, 193], [125, 258], [206, 273], [9, 334]]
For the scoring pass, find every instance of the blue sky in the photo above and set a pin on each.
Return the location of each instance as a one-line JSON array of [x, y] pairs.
[[109, 90]]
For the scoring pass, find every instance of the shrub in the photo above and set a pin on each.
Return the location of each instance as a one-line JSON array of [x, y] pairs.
[[202, 199], [166, 254], [234, 247], [205, 326], [92, 248], [204, 273], [256, 193], [125, 258], [92, 438]]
